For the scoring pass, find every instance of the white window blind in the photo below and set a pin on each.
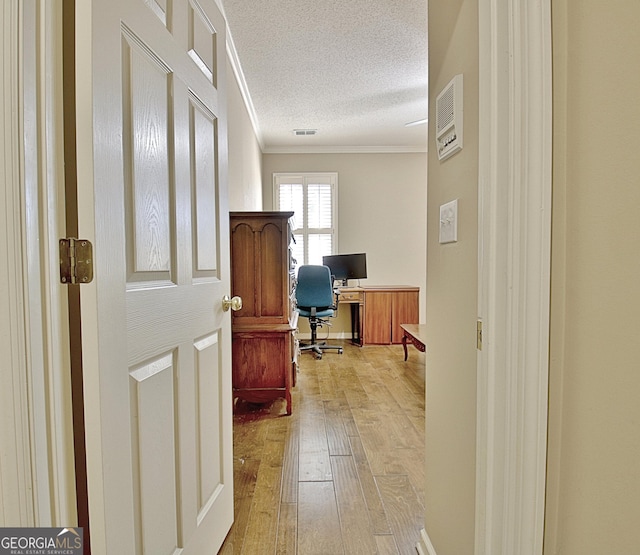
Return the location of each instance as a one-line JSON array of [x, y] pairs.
[[312, 198]]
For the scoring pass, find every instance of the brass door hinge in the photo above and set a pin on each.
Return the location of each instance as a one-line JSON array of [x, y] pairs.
[[479, 336], [76, 261]]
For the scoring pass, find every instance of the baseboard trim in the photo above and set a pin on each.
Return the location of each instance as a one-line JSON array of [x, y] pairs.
[[424, 546], [332, 336]]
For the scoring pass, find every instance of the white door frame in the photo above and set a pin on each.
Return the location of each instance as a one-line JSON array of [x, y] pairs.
[[514, 230], [514, 251], [37, 477], [514, 205], [15, 472]]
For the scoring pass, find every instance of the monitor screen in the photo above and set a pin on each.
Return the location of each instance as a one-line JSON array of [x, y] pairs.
[[346, 266]]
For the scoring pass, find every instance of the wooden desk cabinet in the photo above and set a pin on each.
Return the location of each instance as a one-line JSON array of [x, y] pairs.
[[263, 330], [378, 311], [385, 308]]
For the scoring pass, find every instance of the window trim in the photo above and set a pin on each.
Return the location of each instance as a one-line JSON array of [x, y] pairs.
[[306, 178]]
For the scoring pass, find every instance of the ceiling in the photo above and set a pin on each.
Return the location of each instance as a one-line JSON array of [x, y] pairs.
[[354, 70]]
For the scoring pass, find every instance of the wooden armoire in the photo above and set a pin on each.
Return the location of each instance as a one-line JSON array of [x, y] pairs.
[[264, 330]]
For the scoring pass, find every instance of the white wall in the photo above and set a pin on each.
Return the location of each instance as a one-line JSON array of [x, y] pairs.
[[381, 211], [245, 157]]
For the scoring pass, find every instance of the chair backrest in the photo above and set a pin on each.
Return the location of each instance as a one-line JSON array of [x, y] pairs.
[[314, 287]]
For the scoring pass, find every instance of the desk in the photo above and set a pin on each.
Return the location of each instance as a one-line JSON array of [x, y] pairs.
[[378, 310], [354, 297], [415, 333]]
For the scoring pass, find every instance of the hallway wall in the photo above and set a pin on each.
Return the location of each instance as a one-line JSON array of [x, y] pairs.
[[593, 483], [452, 271]]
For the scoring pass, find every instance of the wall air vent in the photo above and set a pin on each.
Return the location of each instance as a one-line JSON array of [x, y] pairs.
[[449, 119], [304, 132]]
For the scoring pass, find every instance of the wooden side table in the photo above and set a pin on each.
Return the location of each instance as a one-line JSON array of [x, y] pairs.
[[417, 334]]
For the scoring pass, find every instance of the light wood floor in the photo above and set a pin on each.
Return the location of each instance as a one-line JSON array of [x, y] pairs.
[[344, 474]]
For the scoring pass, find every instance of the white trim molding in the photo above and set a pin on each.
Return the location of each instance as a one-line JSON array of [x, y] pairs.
[[514, 269], [17, 505], [424, 546], [328, 149], [44, 223], [236, 66], [37, 485]]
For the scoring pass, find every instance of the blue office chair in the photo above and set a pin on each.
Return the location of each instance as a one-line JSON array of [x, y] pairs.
[[315, 300]]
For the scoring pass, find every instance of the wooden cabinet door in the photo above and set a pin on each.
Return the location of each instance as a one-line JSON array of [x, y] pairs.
[[263, 363], [377, 318], [260, 267], [243, 271], [274, 290], [262, 360], [404, 311]]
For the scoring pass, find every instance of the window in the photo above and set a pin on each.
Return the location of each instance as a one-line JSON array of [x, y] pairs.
[[312, 197]]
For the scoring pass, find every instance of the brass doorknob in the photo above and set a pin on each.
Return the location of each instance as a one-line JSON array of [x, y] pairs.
[[234, 303]]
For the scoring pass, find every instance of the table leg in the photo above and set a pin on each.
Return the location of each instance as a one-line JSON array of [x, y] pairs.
[[356, 339], [404, 346]]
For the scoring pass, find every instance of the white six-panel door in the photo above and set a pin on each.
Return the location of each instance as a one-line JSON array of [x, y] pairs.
[[156, 343]]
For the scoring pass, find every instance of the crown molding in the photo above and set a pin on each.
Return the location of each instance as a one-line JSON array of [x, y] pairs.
[[342, 149], [236, 66]]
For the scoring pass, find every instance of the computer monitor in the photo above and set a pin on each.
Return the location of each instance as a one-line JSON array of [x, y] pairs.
[[346, 266]]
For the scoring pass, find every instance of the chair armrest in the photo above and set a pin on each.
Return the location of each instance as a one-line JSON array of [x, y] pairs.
[[336, 294]]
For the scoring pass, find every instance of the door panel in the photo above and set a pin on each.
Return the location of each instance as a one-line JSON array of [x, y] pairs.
[[202, 42], [156, 342], [210, 446], [153, 396], [203, 159], [148, 181]]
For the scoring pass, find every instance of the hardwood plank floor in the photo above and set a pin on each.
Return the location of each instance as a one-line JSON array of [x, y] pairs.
[[344, 474]]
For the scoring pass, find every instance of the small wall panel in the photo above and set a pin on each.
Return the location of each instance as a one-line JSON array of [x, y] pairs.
[[202, 41], [204, 189], [147, 154], [153, 423], [209, 419]]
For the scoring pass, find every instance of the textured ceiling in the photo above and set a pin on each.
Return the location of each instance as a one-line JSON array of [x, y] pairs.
[[355, 70]]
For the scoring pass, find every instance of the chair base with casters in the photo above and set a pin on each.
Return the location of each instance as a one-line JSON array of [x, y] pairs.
[[318, 347]]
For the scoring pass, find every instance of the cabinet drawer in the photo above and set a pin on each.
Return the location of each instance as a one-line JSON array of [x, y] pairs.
[[350, 297]]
